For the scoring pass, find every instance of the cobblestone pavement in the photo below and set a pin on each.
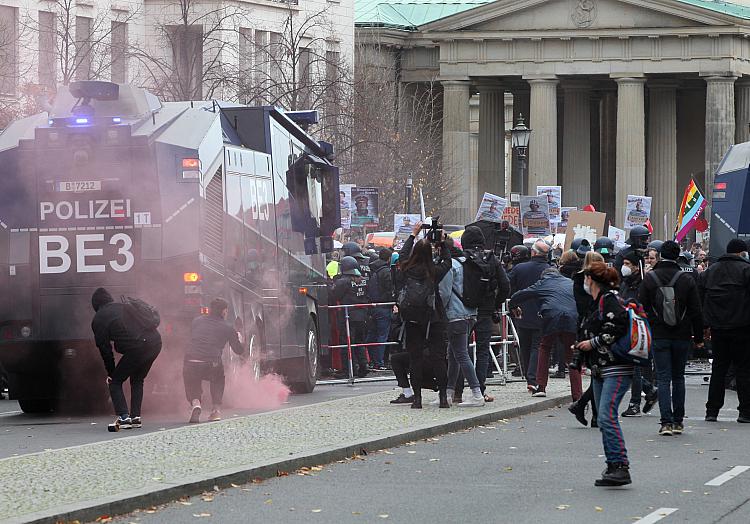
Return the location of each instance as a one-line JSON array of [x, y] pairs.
[[83, 476]]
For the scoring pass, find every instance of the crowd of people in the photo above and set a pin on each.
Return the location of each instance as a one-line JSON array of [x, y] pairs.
[[569, 308]]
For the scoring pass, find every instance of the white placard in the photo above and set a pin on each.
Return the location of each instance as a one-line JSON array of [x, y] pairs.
[[491, 208], [637, 211], [554, 200]]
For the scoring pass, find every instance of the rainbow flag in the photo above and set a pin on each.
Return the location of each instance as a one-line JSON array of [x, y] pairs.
[[692, 205]]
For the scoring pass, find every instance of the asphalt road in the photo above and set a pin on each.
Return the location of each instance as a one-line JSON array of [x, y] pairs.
[[536, 469], [21, 434]]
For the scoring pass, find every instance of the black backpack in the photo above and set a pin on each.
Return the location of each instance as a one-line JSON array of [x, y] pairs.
[[479, 278], [669, 310], [416, 299], [139, 317]]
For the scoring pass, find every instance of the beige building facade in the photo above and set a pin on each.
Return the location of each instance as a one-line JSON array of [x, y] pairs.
[[623, 96]]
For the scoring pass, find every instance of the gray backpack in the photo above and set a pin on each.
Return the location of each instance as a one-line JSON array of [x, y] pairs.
[[666, 305]]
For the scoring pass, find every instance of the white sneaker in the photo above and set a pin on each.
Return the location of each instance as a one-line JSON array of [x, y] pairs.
[[195, 412], [472, 402], [435, 402]]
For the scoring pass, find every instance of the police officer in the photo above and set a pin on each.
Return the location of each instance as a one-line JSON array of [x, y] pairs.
[[685, 261], [637, 240], [605, 246], [352, 249], [581, 246], [349, 289]]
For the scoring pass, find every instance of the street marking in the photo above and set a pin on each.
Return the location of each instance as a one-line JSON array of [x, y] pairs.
[[656, 516], [729, 475], [8, 413]]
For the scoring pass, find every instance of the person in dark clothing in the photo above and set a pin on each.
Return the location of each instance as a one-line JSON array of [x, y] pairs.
[[527, 322], [557, 308], [671, 342], [138, 354], [472, 240], [604, 324], [638, 240], [208, 336], [380, 289], [416, 263], [725, 292], [570, 263], [643, 377], [351, 289]]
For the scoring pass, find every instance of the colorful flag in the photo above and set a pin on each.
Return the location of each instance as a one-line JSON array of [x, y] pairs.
[[692, 205]]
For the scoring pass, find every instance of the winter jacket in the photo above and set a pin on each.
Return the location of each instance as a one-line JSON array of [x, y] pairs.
[[473, 242], [441, 269], [108, 328], [208, 336], [605, 322], [571, 268], [583, 299], [725, 293], [347, 290], [451, 287], [380, 285], [522, 276], [629, 287], [557, 307], [686, 296]]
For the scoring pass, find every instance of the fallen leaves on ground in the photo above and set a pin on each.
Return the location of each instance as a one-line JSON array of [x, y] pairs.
[[383, 515], [104, 518], [598, 508], [316, 510], [201, 515], [563, 507]]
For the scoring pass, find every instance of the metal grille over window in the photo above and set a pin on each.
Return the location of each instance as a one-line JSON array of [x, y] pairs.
[[214, 212]]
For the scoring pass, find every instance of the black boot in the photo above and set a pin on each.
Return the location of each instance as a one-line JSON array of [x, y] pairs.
[[443, 396], [578, 409], [417, 402], [615, 475]]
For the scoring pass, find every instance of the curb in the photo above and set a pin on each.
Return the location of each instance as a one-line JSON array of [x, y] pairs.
[[127, 502]]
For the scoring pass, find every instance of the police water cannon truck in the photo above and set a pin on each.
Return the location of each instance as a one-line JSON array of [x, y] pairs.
[[730, 200], [172, 202]]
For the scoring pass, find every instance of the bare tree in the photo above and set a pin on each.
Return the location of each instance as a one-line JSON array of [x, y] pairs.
[[195, 51]]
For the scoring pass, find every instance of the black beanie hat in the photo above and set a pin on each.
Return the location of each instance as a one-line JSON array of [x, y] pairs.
[[472, 238], [633, 257], [670, 250], [100, 297], [736, 246]]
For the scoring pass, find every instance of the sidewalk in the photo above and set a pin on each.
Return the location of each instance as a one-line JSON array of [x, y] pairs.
[[112, 477]]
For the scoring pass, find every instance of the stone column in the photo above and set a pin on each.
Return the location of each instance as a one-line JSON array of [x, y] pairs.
[[605, 200], [719, 124], [456, 161], [543, 143], [631, 154], [491, 159], [520, 108], [742, 114], [576, 170], [661, 174]]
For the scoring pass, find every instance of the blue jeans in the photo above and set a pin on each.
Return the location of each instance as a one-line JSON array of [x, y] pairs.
[[608, 393], [458, 353], [670, 357], [643, 380], [379, 326]]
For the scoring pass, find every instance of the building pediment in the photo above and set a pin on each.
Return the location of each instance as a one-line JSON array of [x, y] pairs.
[[557, 15]]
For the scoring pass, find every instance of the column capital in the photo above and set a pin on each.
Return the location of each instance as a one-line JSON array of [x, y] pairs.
[[456, 85], [489, 86], [726, 77], [627, 76], [630, 80], [541, 79]]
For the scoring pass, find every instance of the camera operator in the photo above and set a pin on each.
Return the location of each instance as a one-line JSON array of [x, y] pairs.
[[422, 311]]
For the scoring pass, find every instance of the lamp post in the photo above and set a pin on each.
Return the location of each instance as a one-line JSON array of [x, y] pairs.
[[409, 185], [519, 139]]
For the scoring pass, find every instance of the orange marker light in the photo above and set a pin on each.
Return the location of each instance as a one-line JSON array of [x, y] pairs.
[[302, 291], [190, 163], [204, 311], [191, 277]]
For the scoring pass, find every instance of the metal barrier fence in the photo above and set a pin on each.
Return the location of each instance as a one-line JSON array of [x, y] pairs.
[[508, 337]]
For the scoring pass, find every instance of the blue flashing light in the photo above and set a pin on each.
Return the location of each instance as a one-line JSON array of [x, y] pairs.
[[50, 122], [116, 120], [82, 120]]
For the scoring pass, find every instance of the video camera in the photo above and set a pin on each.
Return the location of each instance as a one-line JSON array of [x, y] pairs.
[[434, 234]]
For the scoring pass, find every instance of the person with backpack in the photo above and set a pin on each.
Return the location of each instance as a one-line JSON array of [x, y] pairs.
[[557, 308], [380, 289], [605, 323], [350, 289], [423, 312], [209, 334], [131, 327], [671, 301], [725, 288]]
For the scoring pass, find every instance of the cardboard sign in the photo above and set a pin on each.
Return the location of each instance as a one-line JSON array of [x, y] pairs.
[[513, 215], [585, 224], [491, 208]]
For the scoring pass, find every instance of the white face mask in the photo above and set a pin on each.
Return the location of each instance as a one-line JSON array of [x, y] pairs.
[[587, 288], [626, 271]]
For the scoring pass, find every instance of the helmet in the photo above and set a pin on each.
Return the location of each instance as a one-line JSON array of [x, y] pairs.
[[349, 266], [655, 244], [604, 245], [583, 246], [639, 236], [519, 254], [352, 249], [576, 243], [687, 257]]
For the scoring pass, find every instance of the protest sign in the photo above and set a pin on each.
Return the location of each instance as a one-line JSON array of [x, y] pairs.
[[617, 235], [554, 200], [491, 208], [534, 216], [584, 224], [513, 215], [345, 202], [637, 211], [402, 225], [365, 212]]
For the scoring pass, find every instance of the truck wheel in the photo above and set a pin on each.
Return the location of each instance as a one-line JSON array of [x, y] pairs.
[[312, 361], [35, 406]]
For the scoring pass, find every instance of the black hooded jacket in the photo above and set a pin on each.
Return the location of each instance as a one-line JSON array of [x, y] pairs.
[[725, 293], [108, 328], [473, 240], [441, 269]]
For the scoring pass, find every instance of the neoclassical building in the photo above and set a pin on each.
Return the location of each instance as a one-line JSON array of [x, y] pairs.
[[623, 96]]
